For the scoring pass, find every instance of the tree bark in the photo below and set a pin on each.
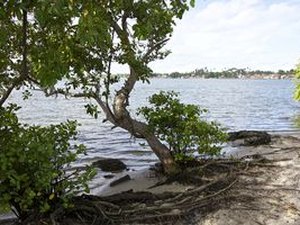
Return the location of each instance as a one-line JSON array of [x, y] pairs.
[[139, 129], [123, 119]]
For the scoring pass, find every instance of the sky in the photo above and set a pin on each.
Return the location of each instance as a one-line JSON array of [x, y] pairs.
[[220, 34]]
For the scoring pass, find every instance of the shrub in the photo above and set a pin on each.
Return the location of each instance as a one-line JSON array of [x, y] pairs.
[[181, 127], [33, 163]]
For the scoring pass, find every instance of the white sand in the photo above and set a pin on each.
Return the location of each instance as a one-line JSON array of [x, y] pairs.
[[142, 180], [276, 190]]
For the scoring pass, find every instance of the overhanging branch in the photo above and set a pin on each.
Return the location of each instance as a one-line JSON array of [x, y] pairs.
[[153, 48]]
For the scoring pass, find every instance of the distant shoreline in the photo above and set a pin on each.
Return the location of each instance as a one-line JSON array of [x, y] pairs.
[[232, 73], [225, 78]]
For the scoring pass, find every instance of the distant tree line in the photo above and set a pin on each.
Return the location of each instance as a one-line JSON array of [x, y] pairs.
[[233, 73]]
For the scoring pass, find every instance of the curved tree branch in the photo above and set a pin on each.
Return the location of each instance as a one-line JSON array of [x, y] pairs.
[[7, 93], [154, 47]]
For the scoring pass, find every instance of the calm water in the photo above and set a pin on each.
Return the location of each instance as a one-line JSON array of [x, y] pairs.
[[236, 104]]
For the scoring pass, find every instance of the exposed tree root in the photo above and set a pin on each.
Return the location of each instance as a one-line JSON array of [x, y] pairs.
[[216, 178]]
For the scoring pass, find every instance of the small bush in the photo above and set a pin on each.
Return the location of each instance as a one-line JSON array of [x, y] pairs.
[[181, 127], [33, 163]]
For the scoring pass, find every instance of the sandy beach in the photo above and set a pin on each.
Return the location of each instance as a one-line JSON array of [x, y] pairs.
[[263, 194], [274, 188]]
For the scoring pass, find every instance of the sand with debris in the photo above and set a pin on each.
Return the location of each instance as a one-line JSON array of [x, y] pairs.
[[268, 194], [274, 189], [263, 193]]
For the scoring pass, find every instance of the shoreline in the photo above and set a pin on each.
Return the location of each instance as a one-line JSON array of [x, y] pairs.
[[224, 78], [282, 179], [284, 148], [142, 180]]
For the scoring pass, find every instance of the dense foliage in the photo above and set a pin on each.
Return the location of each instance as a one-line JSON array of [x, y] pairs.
[[181, 126], [45, 41], [33, 165]]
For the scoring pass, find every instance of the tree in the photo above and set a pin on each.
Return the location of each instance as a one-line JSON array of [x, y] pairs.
[[79, 41], [133, 33], [43, 42]]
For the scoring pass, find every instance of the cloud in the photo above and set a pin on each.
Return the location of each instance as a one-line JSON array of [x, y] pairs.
[[236, 33]]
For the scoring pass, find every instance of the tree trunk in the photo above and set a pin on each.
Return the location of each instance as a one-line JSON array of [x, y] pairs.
[[120, 116], [141, 130], [163, 153], [159, 149]]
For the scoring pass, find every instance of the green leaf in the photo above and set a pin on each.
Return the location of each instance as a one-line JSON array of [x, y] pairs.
[[51, 196], [192, 2]]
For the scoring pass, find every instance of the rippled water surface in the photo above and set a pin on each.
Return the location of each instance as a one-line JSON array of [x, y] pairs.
[[236, 104]]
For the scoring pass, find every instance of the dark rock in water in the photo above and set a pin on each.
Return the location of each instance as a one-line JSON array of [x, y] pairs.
[[250, 138], [120, 180], [110, 165], [108, 176]]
